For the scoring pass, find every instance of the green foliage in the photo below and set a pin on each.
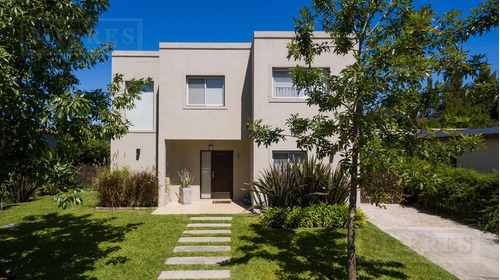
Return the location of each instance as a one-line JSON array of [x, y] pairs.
[[315, 215], [21, 188], [94, 152], [301, 184], [186, 178], [41, 48], [463, 193], [122, 188]]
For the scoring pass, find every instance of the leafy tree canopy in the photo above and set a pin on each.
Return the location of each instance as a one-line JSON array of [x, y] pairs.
[[41, 48]]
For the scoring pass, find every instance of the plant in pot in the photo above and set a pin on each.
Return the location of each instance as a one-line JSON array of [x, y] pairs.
[[185, 187]]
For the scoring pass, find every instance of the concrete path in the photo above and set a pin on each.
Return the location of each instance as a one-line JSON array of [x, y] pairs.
[[201, 260], [464, 251]]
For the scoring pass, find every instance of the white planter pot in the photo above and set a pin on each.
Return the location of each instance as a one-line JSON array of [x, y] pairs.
[[185, 195]]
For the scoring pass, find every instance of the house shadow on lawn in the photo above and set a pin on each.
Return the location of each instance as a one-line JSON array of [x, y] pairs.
[[309, 254], [59, 246]]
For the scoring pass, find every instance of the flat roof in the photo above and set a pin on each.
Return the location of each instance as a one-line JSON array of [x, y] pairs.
[[206, 46], [135, 54], [471, 131]]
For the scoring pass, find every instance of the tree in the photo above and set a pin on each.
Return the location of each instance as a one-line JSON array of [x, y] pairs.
[[374, 104], [469, 105], [41, 48]]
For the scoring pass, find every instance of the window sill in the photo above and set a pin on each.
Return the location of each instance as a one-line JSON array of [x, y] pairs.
[[288, 100], [141, 131], [205, 108]]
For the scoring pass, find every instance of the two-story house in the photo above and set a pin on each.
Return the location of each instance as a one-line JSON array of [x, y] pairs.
[[193, 116]]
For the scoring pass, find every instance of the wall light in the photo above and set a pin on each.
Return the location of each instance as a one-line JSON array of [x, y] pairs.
[[137, 154], [210, 147]]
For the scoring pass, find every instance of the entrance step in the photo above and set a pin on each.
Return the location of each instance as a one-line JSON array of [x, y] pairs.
[[195, 274], [198, 260], [202, 248], [208, 225], [205, 239], [211, 218], [208, 231]]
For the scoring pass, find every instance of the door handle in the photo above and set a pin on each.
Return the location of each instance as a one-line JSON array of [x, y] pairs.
[[212, 173]]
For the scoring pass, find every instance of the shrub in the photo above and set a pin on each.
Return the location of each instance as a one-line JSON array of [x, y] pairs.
[[316, 215], [122, 188], [301, 184], [463, 193], [21, 188]]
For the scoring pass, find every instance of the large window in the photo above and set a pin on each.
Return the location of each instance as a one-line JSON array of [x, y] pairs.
[[280, 157], [142, 116], [205, 91], [283, 85]]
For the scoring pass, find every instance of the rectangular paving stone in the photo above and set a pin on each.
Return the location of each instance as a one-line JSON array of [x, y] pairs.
[[202, 248], [205, 239], [211, 218], [195, 274], [208, 225], [207, 231], [198, 260]]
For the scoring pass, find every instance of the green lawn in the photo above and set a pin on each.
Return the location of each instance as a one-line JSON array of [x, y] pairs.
[[82, 243]]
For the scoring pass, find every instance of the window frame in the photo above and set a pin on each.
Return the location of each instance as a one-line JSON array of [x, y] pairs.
[[132, 127], [205, 91], [273, 94], [288, 156]]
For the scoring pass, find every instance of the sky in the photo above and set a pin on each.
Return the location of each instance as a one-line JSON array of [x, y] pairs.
[[141, 25]]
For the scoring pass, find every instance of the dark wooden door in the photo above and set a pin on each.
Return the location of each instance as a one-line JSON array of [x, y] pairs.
[[222, 174]]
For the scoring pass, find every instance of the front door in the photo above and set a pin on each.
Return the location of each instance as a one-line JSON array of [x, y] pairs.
[[222, 174]]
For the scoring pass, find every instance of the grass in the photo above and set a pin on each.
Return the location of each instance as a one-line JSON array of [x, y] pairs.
[[82, 243]]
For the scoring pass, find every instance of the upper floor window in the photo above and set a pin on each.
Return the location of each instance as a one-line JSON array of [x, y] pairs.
[[280, 157], [208, 91], [141, 116], [283, 85]]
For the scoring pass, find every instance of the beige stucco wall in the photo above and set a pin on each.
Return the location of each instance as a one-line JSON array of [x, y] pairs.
[[186, 154], [269, 52], [181, 60], [136, 64], [484, 160]]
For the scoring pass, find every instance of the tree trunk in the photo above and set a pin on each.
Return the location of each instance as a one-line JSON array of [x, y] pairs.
[[351, 229]]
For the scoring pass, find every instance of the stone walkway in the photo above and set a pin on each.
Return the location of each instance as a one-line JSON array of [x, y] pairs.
[[464, 251], [205, 237]]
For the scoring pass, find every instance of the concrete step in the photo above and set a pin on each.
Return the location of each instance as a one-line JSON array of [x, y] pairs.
[[202, 248], [211, 218], [198, 260], [208, 231], [208, 225], [205, 239], [195, 274]]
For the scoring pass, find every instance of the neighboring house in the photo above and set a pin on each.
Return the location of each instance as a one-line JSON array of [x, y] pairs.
[[193, 116], [483, 160]]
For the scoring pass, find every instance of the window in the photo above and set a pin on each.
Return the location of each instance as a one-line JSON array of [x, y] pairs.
[[205, 91], [280, 157], [142, 116], [283, 86]]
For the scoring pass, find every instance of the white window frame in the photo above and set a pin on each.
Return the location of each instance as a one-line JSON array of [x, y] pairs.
[[287, 151], [205, 94], [132, 128], [274, 86]]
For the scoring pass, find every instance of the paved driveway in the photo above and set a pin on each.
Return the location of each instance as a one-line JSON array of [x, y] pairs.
[[464, 251]]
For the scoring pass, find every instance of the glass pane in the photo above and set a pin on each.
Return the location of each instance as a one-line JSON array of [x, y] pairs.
[[142, 116], [280, 157], [297, 156], [196, 91], [206, 174], [215, 91], [282, 78]]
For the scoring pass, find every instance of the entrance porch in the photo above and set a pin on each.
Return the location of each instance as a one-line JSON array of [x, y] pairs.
[[203, 206], [220, 169]]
